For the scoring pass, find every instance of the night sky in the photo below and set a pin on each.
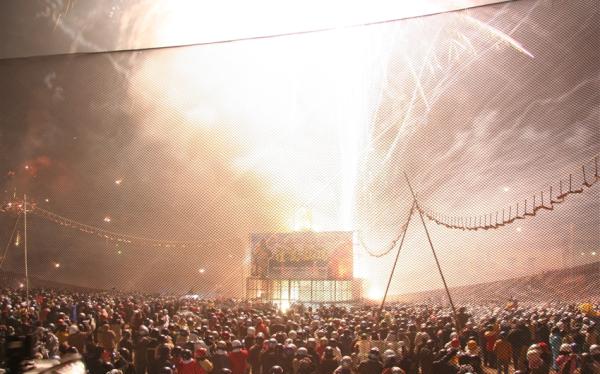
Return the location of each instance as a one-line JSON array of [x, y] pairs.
[[481, 108]]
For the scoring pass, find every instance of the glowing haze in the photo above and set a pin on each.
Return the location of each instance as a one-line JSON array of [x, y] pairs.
[[222, 140]]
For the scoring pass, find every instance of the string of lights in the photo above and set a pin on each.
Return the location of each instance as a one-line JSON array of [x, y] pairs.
[[542, 200], [389, 248], [9, 242], [122, 238], [494, 220]]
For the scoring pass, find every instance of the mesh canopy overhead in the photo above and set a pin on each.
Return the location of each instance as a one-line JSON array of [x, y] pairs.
[[150, 170]]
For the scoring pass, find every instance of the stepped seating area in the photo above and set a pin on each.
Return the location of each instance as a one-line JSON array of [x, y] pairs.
[[576, 284]]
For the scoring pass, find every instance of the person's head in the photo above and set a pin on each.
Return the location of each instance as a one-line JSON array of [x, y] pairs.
[[276, 370], [471, 345], [455, 343], [565, 349], [595, 351], [389, 353], [201, 353], [302, 352], [272, 343], [125, 354], [164, 352], [374, 353], [328, 353], [346, 362]]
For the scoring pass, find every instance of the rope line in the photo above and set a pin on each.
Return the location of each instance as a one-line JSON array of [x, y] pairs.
[[530, 208], [392, 245], [9, 241]]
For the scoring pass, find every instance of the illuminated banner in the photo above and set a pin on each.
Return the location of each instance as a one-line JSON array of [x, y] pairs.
[[302, 255]]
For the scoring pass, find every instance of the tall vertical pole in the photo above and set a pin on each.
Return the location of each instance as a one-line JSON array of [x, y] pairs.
[[434, 254], [387, 288], [25, 247]]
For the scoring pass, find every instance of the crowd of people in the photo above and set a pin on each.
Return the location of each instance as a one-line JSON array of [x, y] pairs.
[[140, 334]]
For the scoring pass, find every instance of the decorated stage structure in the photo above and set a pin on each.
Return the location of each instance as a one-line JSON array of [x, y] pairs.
[[302, 267]]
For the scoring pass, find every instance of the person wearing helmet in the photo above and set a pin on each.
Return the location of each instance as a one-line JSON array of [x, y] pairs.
[[187, 365], [346, 366], [289, 352], [389, 361], [591, 361], [333, 343], [567, 360], [520, 339], [372, 365], [77, 338], [276, 370], [203, 361], [503, 352], [254, 354], [555, 341], [271, 357], [425, 357], [141, 345], [311, 347], [362, 347], [220, 358], [446, 363], [329, 362], [238, 358], [123, 361], [303, 363], [250, 339], [301, 353], [262, 327], [320, 349], [126, 341], [163, 359]]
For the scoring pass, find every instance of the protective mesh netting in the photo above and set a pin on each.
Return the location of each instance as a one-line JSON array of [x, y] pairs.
[[193, 149]]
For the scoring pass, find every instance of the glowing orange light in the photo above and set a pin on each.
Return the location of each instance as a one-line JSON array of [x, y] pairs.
[[201, 271], [118, 181], [57, 265], [106, 219]]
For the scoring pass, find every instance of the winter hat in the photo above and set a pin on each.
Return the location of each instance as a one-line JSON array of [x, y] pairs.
[[534, 358], [472, 345], [201, 352], [73, 329], [236, 344], [595, 349], [346, 362], [566, 348], [455, 343]]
